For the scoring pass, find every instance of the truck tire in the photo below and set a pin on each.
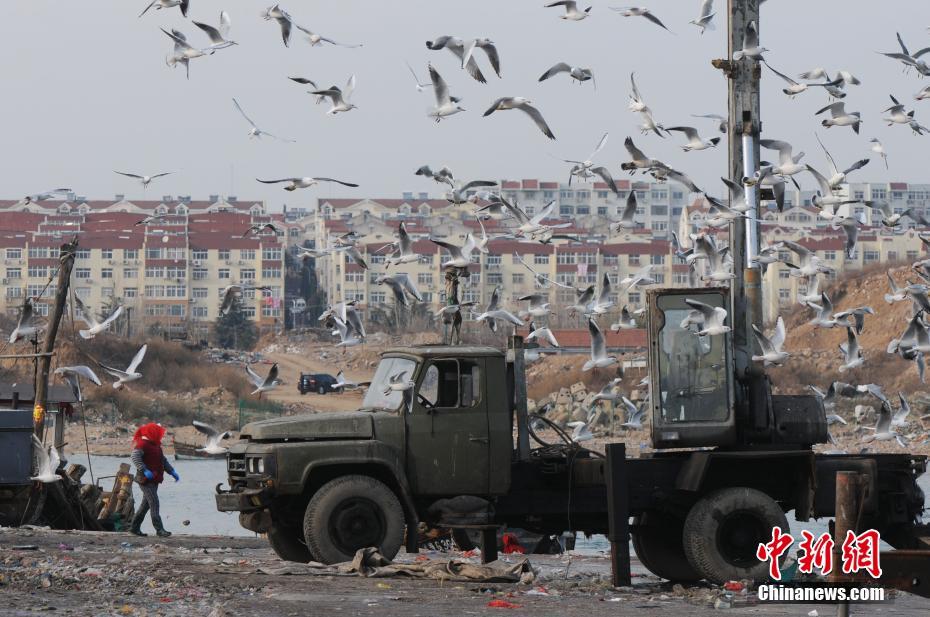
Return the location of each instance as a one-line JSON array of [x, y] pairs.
[[320, 390], [288, 544], [723, 530], [657, 541], [350, 513]]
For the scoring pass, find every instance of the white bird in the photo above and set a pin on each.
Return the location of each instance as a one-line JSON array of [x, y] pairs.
[[843, 78], [599, 357], [443, 176], [304, 183], [545, 334], [607, 393], [825, 317], [183, 52], [538, 305], [93, 326], [446, 105], [794, 87], [401, 285], [404, 248], [349, 334], [255, 131], [900, 417], [639, 11], [131, 373], [826, 199], [839, 177], [577, 73], [585, 169], [518, 102], [643, 276], [318, 39], [145, 180], [167, 4], [581, 431], [626, 322], [634, 415], [602, 303], [898, 294], [26, 326], [772, 353], [628, 218], [542, 281], [459, 48], [694, 139], [571, 10], [284, 20], [840, 117], [343, 384], [218, 36], [788, 163], [340, 98], [263, 384], [48, 462], [923, 95], [214, 437], [879, 149], [712, 318], [420, 85], [751, 47], [883, 428], [459, 256], [897, 114], [397, 383], [71, 374], [851, 353], [487, 46], [705, 19], [720, 120]]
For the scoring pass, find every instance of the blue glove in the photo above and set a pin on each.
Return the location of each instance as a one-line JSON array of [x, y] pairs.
[[148, 474], [174, 474]]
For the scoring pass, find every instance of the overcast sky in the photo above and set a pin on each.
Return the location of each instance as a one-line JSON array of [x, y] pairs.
[[86, 91]]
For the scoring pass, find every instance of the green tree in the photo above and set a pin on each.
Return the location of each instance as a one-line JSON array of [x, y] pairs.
[[234, 330]]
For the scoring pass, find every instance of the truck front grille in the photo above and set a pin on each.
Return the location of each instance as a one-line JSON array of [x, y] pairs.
[[236, 466]]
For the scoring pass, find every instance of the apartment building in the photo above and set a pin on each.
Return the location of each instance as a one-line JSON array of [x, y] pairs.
[[169, 272]]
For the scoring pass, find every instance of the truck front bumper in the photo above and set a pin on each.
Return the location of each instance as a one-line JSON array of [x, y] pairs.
[[244, 500]]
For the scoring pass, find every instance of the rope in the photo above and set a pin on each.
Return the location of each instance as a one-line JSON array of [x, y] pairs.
[[90, 465]]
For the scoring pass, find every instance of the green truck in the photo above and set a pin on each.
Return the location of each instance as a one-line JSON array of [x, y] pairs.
[[442, 439]]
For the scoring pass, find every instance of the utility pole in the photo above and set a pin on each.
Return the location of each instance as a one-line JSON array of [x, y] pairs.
[[48, 346], [744, 128]]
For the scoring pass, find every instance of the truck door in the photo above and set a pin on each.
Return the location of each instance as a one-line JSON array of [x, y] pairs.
[[447, 429]]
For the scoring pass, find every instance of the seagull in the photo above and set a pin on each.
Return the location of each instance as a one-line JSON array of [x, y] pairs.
[[634, 415], [581, 431], [339, 98], [892, 219], [923, 95], [637, 104], [788, 163], [214, 437], [772, 353], [145, 180], [910, 60], [93, 326], [446, 105], [883, 428], [458, 47], [167, 4], [794, 87], [518, 102], [607, 392], [826, 318], [71, 374], [317, 39], [578, 73], [839, 177], [879, 149], [898, 294], [603, 303], [284, 20], [826, 199], [404, 253], [255, 131], [397, 383], [265, 384], [500, 315], [488, 47], [304, 183], [539, 306], [46, 195], [639, 161], [260, 228], [583, 298], [639, 11], [599, 357], [694, 139], [401, 285], [460, 256], [458, 194], [349, 334], [49, 461], [627, 219], [571, 10], [26, 325], [416, 80], [346, 313], [130, 374], [751, 48], [542, 334], [721, 121], [218, 35], [705, 19], [897, 113], [851, 353], [541, 280], [643, 276], [183, 52], [342, 384], [843, 78], [627, 322], [839, 116], [443, 176], [900, 417], [711, 318], [584, 169]]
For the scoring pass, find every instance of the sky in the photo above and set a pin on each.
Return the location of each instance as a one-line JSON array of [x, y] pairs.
[[87, 91]]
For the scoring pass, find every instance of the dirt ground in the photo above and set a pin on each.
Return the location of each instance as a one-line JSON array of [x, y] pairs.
[[84, 573]]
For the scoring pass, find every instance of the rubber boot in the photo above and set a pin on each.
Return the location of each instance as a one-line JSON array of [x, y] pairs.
[[159, 528], [136, 526]]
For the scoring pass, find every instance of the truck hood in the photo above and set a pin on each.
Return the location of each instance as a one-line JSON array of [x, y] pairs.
[[340, 425]]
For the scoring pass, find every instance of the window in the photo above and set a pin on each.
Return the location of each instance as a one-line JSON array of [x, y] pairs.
[[14, 253], [200, 254], [784, 295], [106, 253], [602, 195], [377, 297], [247, 274], [130, 292], [130, 273], [270, 311], [784, 273], [106, 273], [155, 252], [495, 278], [869, 256], [517, 279], [583, 209], [566, 210], [176, 253], [106, 292], [827, 255], [14, 273], [541, 260], [223, 254], [633, 297], [657, 260], [351, 277], [156, 272], [602, 210], [425, 278], [448, 384], [200, 312], [79, 273], [154, 291], [223, 273], [633, 260], [247, 254], [271, 254], [14, 292], [41, 252], [200, 292], [199, 274], [493, 260], [81, 254], [130, 253], [275, 273]]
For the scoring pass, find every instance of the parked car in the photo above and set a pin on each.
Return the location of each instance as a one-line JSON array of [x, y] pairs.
[[321, 383]]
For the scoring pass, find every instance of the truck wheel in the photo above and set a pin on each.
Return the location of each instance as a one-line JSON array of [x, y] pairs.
[[724, 529], [288, 545], [321, 390], [350, 513], [657, 541]]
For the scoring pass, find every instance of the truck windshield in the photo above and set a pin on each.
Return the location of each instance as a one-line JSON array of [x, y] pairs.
[[692, 369], [376, 398]]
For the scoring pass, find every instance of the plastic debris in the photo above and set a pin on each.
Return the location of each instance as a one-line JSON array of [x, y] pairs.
[[503, 604], [724, 601], [383, 586], [813, 613], [733, 586]]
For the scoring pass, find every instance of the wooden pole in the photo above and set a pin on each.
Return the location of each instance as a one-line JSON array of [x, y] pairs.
[[48, 346], [618, 514]]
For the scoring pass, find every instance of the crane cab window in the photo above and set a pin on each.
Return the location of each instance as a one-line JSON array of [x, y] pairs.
[[692, 369], [451, 383]]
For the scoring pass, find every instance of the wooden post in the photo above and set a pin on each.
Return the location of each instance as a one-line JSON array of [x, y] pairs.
[[618, 515], [519, 397], [48, 346], [848, 496]]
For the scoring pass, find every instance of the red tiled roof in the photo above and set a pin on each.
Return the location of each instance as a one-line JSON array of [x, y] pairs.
[[899, 186], [510, 184], [548, 185], [530, 184]]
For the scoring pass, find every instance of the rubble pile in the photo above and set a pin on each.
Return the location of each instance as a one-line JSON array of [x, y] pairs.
[[576, 403]]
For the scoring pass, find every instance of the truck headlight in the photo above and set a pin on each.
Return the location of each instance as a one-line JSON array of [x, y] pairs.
[[260, 466]]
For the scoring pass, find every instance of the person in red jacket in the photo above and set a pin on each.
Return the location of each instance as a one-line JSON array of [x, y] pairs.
[[151, 467]]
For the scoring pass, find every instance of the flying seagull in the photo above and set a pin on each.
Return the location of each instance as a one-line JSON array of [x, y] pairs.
[[772, 353], [571, 10], [93, 326], [218, 35], [751, 47], [265, 384], [704, 20], [214, 437], [639, 11], [167, 4], [599, 357], [420, 86], [48, 463], [26, 325], [145, 180], [130, 374], [255, 131], [518, 102], [71, 374], [575, 72], [183, 52], [284, 20], [338, 97], [318, 39], [446, 105], [304, 183]]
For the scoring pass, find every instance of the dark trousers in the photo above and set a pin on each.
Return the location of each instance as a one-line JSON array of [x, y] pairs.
[[149, 504]]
